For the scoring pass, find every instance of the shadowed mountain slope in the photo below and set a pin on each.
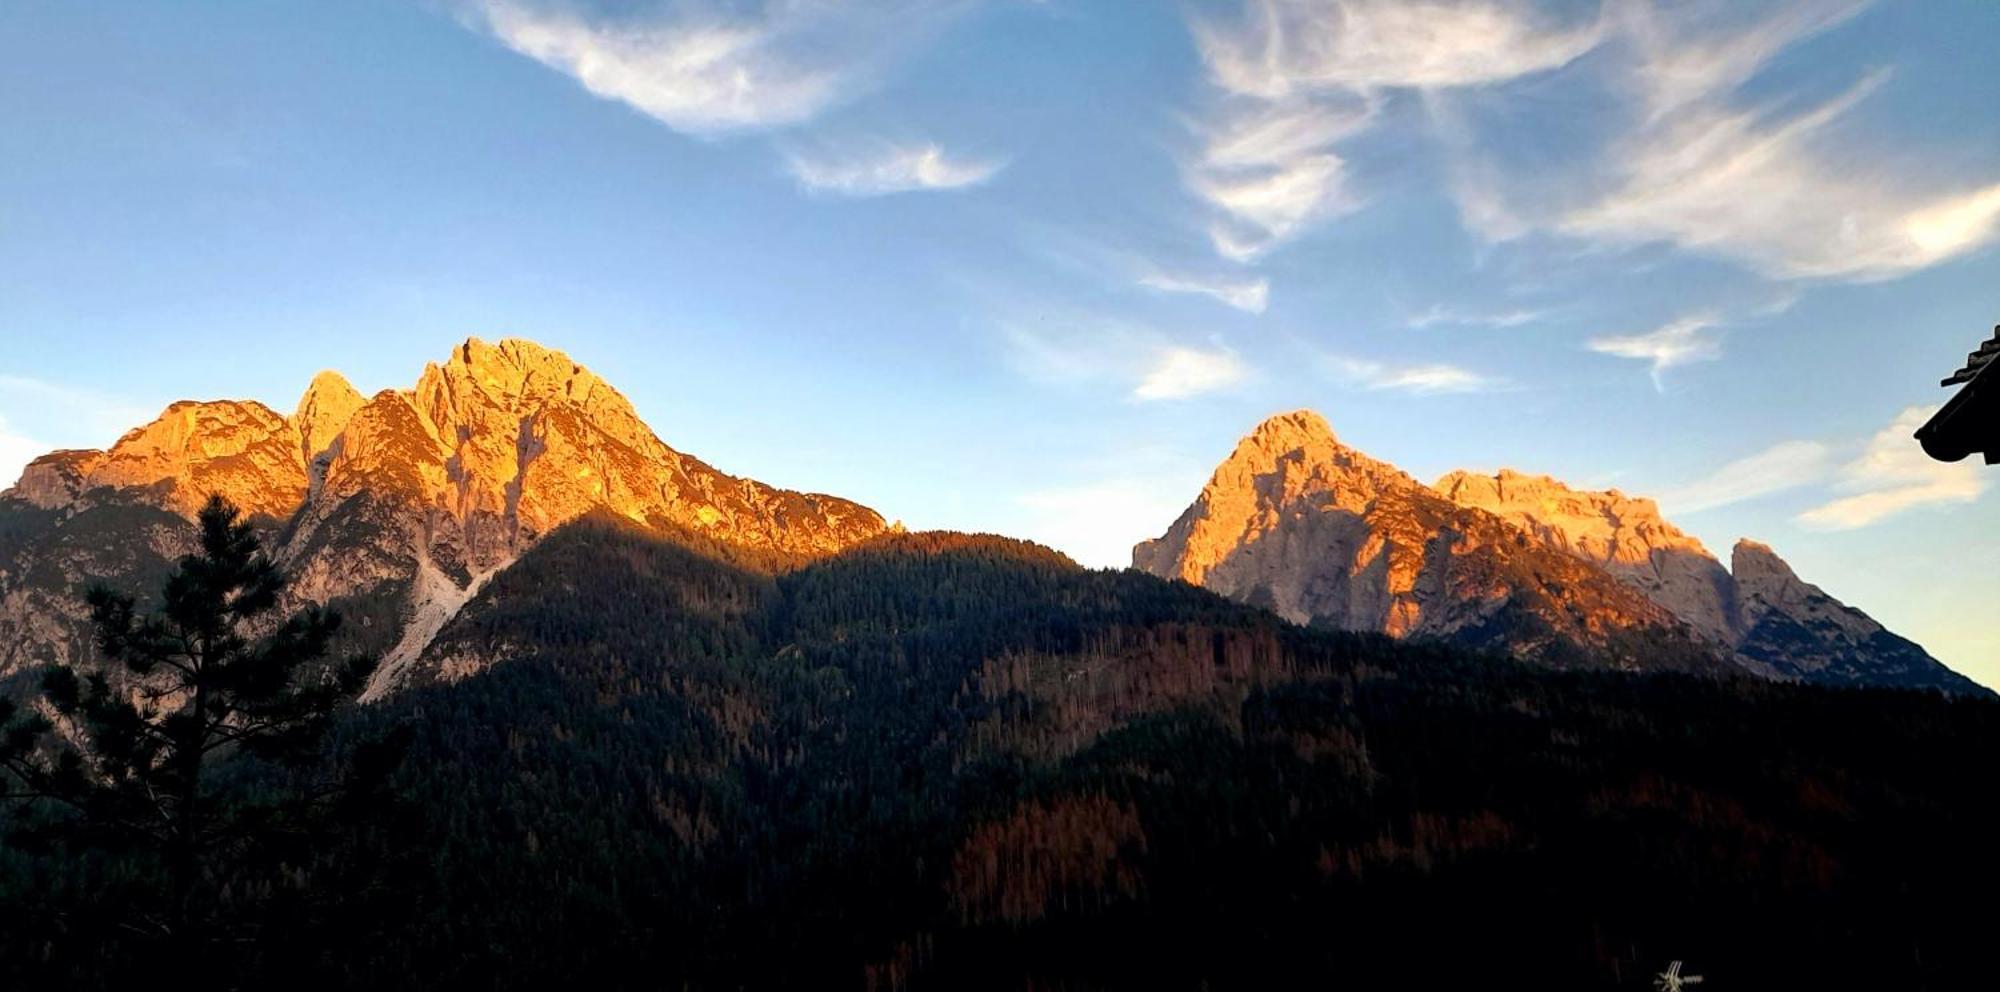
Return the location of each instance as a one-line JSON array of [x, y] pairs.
[[940, 761]]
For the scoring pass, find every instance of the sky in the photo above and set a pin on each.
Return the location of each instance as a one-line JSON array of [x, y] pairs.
[[1034, 267]]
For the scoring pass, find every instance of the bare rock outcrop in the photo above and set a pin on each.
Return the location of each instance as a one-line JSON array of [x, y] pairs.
[[394, 507], [1296, 521], [1624, 535]]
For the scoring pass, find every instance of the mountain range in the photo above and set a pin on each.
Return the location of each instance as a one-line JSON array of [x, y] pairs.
[[1297, 522], [395, 508], [668, 728], [399, 508]]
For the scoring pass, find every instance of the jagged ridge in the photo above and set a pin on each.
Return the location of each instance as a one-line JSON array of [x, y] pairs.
[[1325, 534], [401, 504]]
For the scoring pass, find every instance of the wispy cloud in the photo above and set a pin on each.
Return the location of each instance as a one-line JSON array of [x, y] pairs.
[[1421, 379], [1288, 48], [1270, 171], [889, 168], [708, 67], [1295, 78], [1777, 183], [1146, 364], [1440, 315], [1742, 185], [1892, 475], [1678, 342], [1783, 466], [1247, 295], [1178, 372]]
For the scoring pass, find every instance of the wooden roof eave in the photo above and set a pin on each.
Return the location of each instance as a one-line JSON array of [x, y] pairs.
[[1969, 421]]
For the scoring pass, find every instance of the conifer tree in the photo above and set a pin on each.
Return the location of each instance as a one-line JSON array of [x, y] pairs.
[[157, 751]]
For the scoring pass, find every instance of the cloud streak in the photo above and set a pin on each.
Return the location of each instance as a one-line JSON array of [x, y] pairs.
[[1679, 342], [1775, 184], [890, 169], [1421, 379], [707, 67], [1290, 48], [1891, 476], [1178, 373], [1781, 467], [1247, 295], [1444, 316], [1146, 365], [1293, 79]]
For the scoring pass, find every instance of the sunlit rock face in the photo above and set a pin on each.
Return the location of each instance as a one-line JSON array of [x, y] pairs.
[[1322, 534], [323, 412], [244, 451], [1625, 536], [394, 507]]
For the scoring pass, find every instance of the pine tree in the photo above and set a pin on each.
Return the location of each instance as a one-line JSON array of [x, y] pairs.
[[163, 760]]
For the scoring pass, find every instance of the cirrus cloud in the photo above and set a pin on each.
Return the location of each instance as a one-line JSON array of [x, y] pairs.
[[890, 168], [710, 67], [1778, 468], [1179, 372], [1293, 79], [1247, 295], [1892, 475], [1678, 342], [1147, 364], [1422, 379]]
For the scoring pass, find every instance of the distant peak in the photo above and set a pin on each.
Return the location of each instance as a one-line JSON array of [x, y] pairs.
[[323, 412], [328, 379], [1752, 560], [519, 352], [328, 389], [1509, 484], [1294, 428]]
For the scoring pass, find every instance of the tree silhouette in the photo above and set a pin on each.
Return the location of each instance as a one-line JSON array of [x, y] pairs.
[[174, 756]]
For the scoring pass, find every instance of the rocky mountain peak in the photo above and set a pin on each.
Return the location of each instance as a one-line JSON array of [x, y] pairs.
[[1320, 533], [1754, 562], [1624, 535], [241, 449], [1605, 525], [1794, 629], [1287, 459], [1290, 431], [330, 401], [1294, 521], [402, 504], [490, 389]]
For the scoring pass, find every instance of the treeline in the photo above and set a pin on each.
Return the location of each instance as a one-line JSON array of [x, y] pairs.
[[951, 762]]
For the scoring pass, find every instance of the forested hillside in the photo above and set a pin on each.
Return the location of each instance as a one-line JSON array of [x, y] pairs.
[[940, 761]]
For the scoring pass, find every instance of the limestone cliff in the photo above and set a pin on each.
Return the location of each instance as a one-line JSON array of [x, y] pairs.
[[393, 507], [244, 451], [1296, 521], [1322, 534], [1772, 623], [1625, 536]]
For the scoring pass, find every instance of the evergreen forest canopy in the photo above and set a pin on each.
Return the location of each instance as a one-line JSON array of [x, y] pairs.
[[943, 761]]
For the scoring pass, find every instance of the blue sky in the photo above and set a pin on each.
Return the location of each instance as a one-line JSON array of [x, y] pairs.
[[1032, 267]]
